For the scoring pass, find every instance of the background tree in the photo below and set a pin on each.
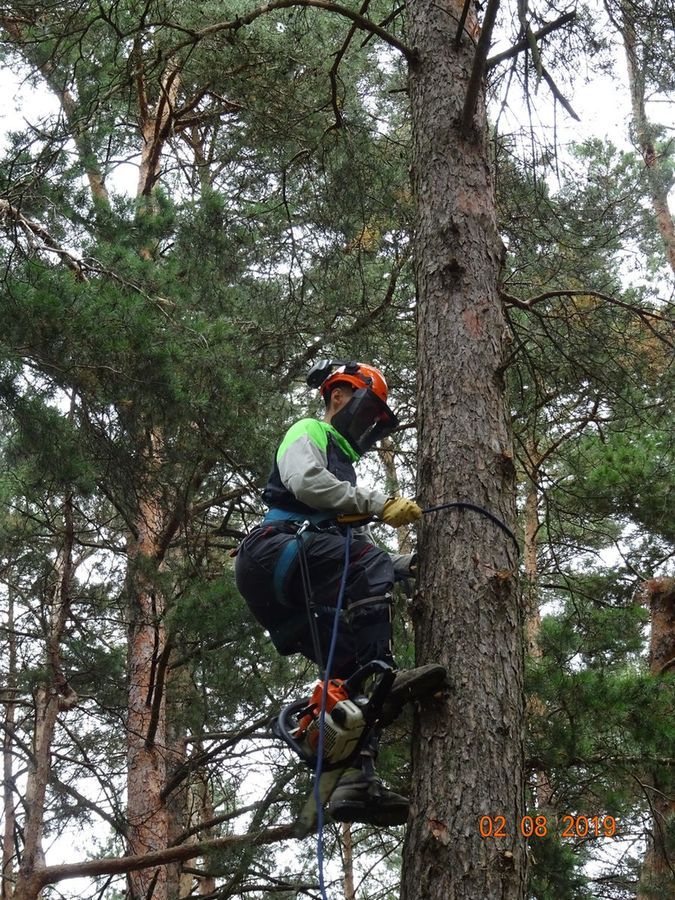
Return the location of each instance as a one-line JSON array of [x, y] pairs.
[[148, 334]]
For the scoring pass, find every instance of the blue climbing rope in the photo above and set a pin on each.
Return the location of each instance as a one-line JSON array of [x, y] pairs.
[[322, 714]]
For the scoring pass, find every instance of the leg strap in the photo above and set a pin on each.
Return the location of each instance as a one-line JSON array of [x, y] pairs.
[[370, 620]]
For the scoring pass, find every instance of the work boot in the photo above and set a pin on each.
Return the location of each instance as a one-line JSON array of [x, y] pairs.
[[410, 685], [361, 797]]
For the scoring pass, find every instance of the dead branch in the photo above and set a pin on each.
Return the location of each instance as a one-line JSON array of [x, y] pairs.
[[478, 70], [517, 48], [33, 230], [118, 866], [555, 90]]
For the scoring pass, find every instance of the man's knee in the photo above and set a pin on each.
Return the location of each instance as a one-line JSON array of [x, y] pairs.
[[370, 619]]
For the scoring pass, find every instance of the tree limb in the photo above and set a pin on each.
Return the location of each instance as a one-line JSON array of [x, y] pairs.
[[121, 865], [478, 70], [550, 295], [359, 20], [558, 95], [517, 48], [33, 229]]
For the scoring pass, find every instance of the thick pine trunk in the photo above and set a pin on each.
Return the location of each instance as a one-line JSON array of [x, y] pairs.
[[467, 752], [146, 712], [8, 786], [658, 870]]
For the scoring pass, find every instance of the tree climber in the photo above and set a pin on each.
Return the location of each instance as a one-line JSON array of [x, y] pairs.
[[313, 480]]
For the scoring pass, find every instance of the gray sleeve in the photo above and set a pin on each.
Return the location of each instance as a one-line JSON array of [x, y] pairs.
[[302, 469]]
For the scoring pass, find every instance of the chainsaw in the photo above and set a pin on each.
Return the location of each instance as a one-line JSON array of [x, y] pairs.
[[351, 713]]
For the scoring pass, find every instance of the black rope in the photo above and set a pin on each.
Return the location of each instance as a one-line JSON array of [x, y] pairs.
[[309, 596], [479, 509]]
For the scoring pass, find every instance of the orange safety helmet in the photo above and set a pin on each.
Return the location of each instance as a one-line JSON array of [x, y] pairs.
[[359, 375]]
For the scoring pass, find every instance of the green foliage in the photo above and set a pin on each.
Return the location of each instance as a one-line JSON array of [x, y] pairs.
[[167, 362]]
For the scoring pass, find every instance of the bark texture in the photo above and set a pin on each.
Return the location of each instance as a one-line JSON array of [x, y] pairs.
[[146, 715], [658, 871], [468, 751], [8, 786]]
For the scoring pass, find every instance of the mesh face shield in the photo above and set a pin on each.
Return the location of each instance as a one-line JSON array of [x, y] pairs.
[[365, 420]]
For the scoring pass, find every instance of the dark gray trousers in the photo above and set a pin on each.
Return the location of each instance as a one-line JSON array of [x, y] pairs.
[[269, 578]]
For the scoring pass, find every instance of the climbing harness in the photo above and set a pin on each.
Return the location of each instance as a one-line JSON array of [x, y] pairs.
[[329, 729]]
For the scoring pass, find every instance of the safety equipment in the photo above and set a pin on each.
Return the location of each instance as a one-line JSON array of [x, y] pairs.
[[359, 375], [370, 621], [347, 717], [365, 420], [361, 797], [400, 511]]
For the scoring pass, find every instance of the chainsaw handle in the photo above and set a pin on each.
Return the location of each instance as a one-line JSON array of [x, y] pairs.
[[286, 723], [358, 679]]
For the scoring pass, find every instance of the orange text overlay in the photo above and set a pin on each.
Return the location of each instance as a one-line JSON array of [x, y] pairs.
[[539, 827]]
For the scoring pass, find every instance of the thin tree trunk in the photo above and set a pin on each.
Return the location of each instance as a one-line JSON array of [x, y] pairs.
[[658, 870], [206, 812], [348, 861], [9, 812], [536, 709], [183, 805], [644, 136], [467, 753], [393, 486], [49, 698]]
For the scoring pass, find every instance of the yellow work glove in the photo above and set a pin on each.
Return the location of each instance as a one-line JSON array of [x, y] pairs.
[[400, 511]]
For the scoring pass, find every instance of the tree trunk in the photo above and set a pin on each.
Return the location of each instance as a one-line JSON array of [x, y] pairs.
[[536, 709], [468, 752], [146, 716], [658, 871], [9, 812], [49, 697], [644, 136], [348, 861]]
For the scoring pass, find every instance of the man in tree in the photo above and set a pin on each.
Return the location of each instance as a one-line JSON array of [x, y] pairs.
[[291, 566]]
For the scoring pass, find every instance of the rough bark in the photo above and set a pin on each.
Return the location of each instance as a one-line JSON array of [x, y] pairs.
[[658, 870], [146, 711], [644, 135], [468, 751], [9, 811]]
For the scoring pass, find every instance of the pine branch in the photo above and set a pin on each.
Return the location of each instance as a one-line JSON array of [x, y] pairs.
[[555, 90], [360, 21], [119, 866], [524, 44], [12, 25], [36, 233], [510, 300], [333, 74]]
